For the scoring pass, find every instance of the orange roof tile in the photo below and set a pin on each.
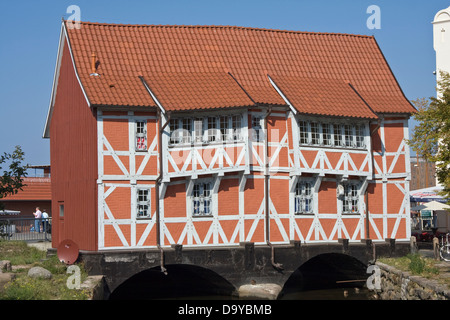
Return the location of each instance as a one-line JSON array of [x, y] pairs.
[[34, 189], [323, 96], [188, 66]]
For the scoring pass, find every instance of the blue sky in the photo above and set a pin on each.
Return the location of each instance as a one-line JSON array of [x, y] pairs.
[[29, 33]]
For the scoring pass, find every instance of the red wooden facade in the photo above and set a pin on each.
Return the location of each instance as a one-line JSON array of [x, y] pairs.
[[184, 135]]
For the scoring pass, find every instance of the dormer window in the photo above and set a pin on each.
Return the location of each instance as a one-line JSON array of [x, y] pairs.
[[210, 129], [327, 134]]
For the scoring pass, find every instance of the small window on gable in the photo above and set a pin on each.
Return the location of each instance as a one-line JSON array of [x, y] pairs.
[[143, 203], [141, 135]]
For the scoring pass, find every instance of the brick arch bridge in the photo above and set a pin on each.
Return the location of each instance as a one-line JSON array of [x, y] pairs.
[[231, 267]]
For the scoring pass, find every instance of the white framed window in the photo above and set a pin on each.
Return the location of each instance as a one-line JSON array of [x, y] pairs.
[[236, 127], [326, 134], [348, 135], [350, 198], [141, 135], [209, 129], [342, 135], [187, 130], [202, 199], [143, 203], [337, 135], [315, 135], [304, 197], [257, 129], [303, 127], [359, 136], [198, 130], [212, 129]]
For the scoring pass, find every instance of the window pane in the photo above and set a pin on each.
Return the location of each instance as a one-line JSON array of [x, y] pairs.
[[198, 127], [187, 129], [303, 128], [212, 126], [223, 122], [303, 200], [141, 139], [348, 132], [337, 135], [315, 137], [202, 199], [236, 127], [257, 129], [326, 134], [359, 132]]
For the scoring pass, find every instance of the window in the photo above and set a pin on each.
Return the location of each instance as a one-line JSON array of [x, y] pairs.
[[198, 130], [175, 132], [303, 197], [315, 136], [326, 134], [141, 135], [236, 125], [337, 135], [61, 210], [316, 133], [187, 128], [350, 201], [143, 203], [359, 134], [348, 135], [205, 129], [212, 128], [223, 126], [257, 129], [201, 199], [303, 127]]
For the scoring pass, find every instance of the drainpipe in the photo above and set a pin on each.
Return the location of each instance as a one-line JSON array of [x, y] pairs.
[[366, 193], [158, 182], [266, 188]]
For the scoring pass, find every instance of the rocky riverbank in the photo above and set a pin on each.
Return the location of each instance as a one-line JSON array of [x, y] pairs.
[[402, 285]]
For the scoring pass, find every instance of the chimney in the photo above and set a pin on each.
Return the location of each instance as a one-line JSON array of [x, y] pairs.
[[94, 64]]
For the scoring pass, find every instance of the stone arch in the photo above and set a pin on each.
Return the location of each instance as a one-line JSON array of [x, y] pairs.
[[182, 280], [327, 270]]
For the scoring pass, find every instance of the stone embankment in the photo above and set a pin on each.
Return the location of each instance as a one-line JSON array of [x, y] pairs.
[[401, 285]]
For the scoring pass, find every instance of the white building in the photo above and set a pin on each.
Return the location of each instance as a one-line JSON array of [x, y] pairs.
[[441, 41]]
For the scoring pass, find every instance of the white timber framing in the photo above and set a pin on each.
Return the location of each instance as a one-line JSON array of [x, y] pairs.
[[129, 179], [215, 235]]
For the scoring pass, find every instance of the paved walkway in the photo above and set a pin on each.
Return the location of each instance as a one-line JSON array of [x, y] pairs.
[[443, 266]]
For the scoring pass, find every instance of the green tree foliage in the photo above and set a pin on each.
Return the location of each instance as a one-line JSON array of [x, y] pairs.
[[11, 180], [431, 138]]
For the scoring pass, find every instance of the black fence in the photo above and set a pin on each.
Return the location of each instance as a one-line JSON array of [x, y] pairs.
[[26, 229]]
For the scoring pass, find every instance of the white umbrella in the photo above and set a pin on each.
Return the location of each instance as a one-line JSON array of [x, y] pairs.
[[435, 206]]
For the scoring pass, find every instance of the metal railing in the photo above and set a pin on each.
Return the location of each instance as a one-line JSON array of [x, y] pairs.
[[26, 229]]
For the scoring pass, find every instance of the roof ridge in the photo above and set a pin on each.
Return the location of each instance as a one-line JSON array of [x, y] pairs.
[[222, 27]]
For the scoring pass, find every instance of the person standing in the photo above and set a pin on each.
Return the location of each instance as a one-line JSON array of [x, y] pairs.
[[37, 221], [44, 221]]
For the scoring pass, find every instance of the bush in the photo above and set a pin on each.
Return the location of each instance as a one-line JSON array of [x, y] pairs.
[[416, 264]]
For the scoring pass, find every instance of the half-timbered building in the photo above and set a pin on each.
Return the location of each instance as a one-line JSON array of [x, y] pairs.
[[218, 135]]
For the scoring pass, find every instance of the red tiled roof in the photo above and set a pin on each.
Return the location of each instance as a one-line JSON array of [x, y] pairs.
[[187, 66], [35, 189], [325, 96]]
